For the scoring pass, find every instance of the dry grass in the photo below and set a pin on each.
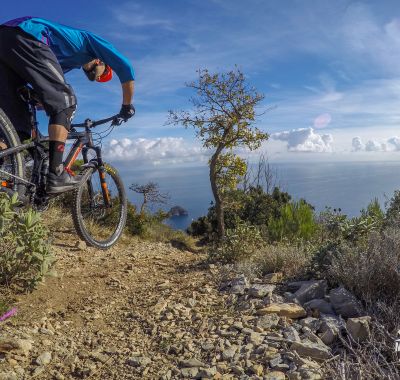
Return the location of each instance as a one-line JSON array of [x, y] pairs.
[[373, 359], [371, 271], [162, 233], [292, 261]]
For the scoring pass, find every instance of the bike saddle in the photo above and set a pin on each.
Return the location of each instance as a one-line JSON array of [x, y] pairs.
[[28, 95]]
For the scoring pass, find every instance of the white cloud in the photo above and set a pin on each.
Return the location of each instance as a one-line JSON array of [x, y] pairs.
[[388, 145], [305, 140], [374, 146], [357, 144], [154, 151], [394, 142]]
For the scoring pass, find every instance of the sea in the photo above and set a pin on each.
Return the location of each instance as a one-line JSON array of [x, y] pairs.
[[349, 186]]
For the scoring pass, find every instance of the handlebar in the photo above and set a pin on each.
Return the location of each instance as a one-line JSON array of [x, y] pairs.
[[88, 123]]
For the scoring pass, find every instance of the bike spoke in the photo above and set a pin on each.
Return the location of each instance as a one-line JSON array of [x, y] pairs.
[[100, 221]]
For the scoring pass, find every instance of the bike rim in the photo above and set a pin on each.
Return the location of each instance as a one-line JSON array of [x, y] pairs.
[[100, 222]]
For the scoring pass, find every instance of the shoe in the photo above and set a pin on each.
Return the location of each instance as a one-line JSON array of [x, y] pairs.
[[57, 184]]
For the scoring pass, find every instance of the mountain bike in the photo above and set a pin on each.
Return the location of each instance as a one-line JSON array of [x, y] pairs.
[[98, 205]]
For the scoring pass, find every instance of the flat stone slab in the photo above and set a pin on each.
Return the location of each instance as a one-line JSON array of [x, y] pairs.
[[345, 303], [321, 305], [311, 350], [261, 290], [290, 310], [309, 290]]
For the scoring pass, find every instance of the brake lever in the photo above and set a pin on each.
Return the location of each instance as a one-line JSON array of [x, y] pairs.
[[117, 121]]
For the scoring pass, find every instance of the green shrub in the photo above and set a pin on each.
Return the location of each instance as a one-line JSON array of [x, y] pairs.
[[296, 222], [25, 257], [141, 224], [151, 227], [253, 206], [392, 216], [238, 244], [200, 227]]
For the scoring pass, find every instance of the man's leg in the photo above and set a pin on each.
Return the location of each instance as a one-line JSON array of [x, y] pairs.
[[37, 65], [58, 136], [10, 101]]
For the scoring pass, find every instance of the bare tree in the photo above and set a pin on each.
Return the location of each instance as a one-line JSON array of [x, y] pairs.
[[263, 175], [151, 194]]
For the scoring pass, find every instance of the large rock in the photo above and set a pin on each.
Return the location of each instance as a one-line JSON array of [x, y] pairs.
[[311, 350], [239, 285], [177, 211], [358, 328], [291, 334], [260, 290], [308, 290], [319, 305], [345, 303], [192, 363], [290, 310], [312, 323], [330, 328]]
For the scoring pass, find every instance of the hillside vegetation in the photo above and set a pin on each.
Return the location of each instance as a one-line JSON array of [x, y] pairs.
[[287, 293]]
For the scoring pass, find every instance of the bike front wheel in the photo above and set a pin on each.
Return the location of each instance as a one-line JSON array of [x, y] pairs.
[[11, 166], [98, 224]]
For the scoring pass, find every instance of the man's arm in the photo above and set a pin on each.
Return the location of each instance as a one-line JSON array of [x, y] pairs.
[[128, 89]]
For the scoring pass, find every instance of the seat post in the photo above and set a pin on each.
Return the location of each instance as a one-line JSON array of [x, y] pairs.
[[29, 96], [34, 123]]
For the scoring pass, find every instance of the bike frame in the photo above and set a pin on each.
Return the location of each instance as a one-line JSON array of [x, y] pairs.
[[83, 143]]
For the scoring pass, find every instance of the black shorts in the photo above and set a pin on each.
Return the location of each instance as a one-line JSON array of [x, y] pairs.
[[23, 59]]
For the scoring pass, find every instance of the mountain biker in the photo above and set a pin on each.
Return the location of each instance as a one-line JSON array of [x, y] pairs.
[[39, 52]]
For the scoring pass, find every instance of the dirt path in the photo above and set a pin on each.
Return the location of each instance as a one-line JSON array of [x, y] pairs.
[[114, 314], [146, 310]]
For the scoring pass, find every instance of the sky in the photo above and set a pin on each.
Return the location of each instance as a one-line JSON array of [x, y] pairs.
[[329, 71]]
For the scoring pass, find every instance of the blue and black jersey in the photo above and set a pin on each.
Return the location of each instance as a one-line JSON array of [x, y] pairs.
[[74, 47]]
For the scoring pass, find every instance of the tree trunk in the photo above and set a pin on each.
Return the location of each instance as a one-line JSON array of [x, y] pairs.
[[219, 207], [143, 207]]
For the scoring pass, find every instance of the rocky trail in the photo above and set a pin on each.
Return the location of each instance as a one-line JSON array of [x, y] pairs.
[[147, 310]]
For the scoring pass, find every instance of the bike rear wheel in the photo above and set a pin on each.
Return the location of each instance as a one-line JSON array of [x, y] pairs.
[[98, 225], [12, 164]]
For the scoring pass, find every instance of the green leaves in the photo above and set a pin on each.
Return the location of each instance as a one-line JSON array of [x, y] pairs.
[[295, 222], [25, 256], [229, 170], [239, 243], [224, 111]]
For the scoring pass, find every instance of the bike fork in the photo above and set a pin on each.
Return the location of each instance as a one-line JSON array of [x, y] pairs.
[[102, 175]]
